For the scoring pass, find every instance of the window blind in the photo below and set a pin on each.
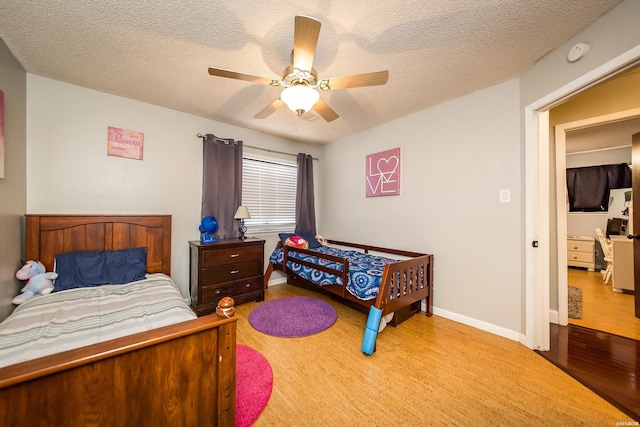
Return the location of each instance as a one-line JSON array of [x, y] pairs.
[[269, 192]]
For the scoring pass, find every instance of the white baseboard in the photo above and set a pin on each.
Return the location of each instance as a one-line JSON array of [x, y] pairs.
[[484, 326], [478, 324], [553, 316], [279, 281]]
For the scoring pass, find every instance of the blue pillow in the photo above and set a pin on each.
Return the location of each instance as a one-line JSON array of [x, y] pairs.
[[92, 268], [309, 237]]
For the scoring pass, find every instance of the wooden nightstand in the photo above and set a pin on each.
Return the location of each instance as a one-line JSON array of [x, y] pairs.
[[226, 268]]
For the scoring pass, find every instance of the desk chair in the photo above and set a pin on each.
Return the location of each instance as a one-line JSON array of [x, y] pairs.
[[607, 251]]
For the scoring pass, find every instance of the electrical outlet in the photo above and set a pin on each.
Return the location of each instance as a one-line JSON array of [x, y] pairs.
[[505, 196]]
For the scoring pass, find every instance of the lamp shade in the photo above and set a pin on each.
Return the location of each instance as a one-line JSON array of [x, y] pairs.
[[300, 98], [242, 213]]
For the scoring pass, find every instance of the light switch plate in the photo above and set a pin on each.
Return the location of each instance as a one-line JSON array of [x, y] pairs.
[[505, 196]]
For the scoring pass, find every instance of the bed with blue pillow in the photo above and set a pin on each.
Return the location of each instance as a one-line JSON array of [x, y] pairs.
[[362, 275], [116, 339]]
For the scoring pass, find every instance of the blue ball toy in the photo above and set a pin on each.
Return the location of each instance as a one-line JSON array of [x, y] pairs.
[[208, 226]]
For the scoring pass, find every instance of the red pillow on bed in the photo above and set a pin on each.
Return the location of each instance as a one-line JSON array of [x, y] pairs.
[[297, 242], [309, 237], [92, 268]]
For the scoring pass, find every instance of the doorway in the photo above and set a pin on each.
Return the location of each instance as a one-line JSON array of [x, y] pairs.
[[538, 204], [623, 122]]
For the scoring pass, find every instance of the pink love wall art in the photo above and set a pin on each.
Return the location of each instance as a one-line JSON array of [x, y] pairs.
[[383, 173]]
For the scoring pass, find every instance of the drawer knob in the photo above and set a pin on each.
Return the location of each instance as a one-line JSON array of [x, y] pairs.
[[234, 255], [218, 291], [248, 285], [234, 271], [575, 247]]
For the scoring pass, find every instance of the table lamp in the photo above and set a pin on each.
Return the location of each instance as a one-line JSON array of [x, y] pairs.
[[242, 213]]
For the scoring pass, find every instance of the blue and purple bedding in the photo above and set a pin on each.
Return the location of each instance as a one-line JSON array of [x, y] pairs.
[[365, 270]]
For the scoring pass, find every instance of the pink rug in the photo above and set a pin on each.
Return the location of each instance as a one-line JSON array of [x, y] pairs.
[[254, 381]]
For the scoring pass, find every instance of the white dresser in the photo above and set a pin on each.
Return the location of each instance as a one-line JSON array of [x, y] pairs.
[[581, 252]]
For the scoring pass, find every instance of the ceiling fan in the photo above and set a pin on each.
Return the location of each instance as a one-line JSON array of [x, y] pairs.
[[300, 79]]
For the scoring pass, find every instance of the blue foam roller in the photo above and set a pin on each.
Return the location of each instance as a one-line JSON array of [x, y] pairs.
[[373, 321], [371, 330]]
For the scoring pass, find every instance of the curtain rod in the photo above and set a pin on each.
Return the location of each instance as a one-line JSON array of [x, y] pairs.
[[226, 141]]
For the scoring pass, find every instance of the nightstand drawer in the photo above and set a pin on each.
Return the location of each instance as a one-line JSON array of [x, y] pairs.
[[580, 256], [231, 272], [248, 285], [231, 255], [216, 292], [580, 246]]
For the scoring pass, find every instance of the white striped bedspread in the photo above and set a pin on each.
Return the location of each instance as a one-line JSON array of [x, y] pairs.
[[75, 318]]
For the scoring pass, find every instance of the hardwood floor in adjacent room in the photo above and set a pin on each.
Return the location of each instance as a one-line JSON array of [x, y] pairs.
[[603, 309], [427, 371], [601, 350]]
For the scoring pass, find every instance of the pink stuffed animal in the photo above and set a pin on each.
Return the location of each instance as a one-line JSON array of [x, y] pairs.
[[39, 281]]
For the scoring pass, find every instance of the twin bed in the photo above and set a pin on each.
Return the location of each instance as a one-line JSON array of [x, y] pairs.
[[149, 362], [351, 273]]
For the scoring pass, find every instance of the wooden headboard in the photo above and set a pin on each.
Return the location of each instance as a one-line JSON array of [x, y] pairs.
[[48, 235]]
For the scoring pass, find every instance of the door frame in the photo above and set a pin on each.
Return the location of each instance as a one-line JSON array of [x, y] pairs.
[[537, 203], [561, 192]]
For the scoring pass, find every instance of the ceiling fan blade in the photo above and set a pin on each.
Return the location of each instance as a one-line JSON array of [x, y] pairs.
[[305, 40], [358, 80], [269, 109], [325, 111], [239, 76]]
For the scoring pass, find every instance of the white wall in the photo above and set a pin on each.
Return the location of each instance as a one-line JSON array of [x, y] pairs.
[[13, 198], [455, 158], [69, 170]]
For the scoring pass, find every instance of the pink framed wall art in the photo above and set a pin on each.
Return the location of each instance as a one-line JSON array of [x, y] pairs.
[[383, 173], [125, 143]]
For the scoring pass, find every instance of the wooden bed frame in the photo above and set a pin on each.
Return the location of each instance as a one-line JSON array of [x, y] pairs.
[[410, 280], [182, 374]]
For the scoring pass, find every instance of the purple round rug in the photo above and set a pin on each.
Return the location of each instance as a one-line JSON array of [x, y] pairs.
[[293, 317]]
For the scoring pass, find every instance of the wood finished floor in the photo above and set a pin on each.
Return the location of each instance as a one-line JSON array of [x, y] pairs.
[[606, 363], [603, 309], [427, 371], [601, 350]]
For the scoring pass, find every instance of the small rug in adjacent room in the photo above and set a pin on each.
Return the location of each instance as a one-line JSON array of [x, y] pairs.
[[575, 303], [293, 316], [254, 382]]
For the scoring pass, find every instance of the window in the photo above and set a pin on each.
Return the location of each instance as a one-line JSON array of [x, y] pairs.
[[269, 192], [588, 187]]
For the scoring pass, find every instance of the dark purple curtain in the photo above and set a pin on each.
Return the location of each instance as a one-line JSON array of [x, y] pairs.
[[222, 183], [588, 187], [305, 207]]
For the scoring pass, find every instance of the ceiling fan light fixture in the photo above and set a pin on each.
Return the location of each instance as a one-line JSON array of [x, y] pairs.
[[300, 98]]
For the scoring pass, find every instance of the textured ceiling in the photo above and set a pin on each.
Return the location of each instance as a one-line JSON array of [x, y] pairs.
[[158, 51]]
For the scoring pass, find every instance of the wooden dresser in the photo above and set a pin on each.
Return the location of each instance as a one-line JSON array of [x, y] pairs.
[[581, 252], [226, 268]]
